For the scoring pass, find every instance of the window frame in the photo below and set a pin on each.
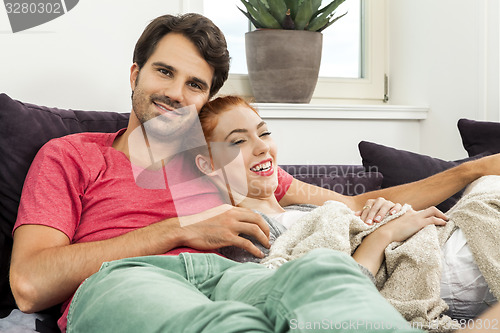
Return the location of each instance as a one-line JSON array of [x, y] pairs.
[[331, 90]]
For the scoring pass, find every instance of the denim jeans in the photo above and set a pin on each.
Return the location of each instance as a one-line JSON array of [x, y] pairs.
[[322, 291]]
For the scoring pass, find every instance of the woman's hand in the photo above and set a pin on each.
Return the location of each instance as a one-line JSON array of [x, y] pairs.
[[370, 253], [405, 226], [376, 209]]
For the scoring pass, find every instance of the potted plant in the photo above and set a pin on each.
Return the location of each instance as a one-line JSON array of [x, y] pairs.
[[284, 53]]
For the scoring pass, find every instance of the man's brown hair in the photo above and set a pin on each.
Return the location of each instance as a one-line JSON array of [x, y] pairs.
[[201, 31]]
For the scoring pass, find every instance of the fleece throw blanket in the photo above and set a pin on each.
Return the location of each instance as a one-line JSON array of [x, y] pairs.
[[410, 276]]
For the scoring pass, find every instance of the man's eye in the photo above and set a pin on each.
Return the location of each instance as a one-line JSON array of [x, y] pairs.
[[165, 72], [195, 85]]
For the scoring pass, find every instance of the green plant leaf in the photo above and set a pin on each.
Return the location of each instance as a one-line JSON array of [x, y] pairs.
[[265, 3], [254, 22], [259, 15], [255, 3], [315, 5], [278, 9], [318, 22], [304, 14], [293, 5], [332, 22], [323, 16], [328, 9], [251, 11], [266, 18]]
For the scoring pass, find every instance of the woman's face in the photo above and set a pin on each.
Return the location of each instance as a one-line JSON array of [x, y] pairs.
[[242, 131]]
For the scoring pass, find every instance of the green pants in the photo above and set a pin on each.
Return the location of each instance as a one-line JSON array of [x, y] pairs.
[[322, 291]]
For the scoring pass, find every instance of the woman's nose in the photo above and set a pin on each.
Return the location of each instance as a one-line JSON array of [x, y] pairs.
[[261, 147]]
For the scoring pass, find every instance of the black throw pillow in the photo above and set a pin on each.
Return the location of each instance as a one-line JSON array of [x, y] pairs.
[[401, 167], [480, 137]]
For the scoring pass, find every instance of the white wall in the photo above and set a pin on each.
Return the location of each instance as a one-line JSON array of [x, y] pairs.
[[441, 53], [81, 59], [444, 54]]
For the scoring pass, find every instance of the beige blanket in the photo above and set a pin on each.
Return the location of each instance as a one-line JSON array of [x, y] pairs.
[[410, 276]]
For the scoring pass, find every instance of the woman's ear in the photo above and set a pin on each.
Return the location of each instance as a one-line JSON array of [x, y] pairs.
[[204, 164]]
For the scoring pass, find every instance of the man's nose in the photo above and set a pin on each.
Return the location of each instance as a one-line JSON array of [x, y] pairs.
[[175, 91]]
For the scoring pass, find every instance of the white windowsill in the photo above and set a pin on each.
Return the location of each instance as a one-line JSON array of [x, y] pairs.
[[319, 111]]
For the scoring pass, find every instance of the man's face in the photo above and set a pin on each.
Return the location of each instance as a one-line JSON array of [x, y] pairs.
[[171, 87]]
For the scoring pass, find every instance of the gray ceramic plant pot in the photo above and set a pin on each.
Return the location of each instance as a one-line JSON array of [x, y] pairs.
[[283, 65]]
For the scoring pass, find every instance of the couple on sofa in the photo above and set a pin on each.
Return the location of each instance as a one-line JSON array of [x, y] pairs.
[[88, 236]]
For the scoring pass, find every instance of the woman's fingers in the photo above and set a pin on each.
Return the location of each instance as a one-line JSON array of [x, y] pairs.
[[376, 209], [433, 211], [396, 209]]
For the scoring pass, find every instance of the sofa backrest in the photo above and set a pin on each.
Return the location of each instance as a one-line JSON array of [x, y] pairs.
[[24, 129]]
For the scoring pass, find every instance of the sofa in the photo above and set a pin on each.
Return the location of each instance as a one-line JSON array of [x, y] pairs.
[[25, 127]]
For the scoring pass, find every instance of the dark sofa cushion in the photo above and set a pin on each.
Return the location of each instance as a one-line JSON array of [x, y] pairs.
[[343, 179], [24, 128], [479, 137], [401, 166]]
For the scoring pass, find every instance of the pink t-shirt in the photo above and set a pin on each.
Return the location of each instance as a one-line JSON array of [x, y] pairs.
[[82, 186]]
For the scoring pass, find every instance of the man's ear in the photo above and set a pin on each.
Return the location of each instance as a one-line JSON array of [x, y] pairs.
[[204, 164], [134, 73]]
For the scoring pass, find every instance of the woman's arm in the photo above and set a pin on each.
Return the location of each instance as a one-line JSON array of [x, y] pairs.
[[370, 253]]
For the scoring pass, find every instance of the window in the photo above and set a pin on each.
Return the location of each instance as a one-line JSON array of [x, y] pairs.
[[341, 41], [352, 71]]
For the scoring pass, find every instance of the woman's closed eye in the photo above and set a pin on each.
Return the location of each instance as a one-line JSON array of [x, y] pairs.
[[237, 142]]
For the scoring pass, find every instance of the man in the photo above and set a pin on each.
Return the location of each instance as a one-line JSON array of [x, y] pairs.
[[81, 212]]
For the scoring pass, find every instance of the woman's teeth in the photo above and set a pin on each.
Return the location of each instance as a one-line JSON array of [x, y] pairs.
[[262, 167]]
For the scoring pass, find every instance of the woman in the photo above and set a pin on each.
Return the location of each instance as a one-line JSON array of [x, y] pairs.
[[240, 144]]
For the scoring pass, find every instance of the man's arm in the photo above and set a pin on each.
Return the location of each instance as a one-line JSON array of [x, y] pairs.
[[420, 194], [46, 269], [432, 190]]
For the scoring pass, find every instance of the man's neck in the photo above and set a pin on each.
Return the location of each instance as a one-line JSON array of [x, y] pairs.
[[121, 143], [143, 150]]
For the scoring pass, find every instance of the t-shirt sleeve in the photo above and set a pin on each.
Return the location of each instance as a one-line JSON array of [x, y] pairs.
[[284, 182], [53, 189]]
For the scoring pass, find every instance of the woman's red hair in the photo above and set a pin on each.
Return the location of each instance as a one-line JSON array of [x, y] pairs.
[[209, 112]]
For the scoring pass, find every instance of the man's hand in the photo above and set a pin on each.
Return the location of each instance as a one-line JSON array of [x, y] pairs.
[[222, 226], [376, 209], [46, 268]]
